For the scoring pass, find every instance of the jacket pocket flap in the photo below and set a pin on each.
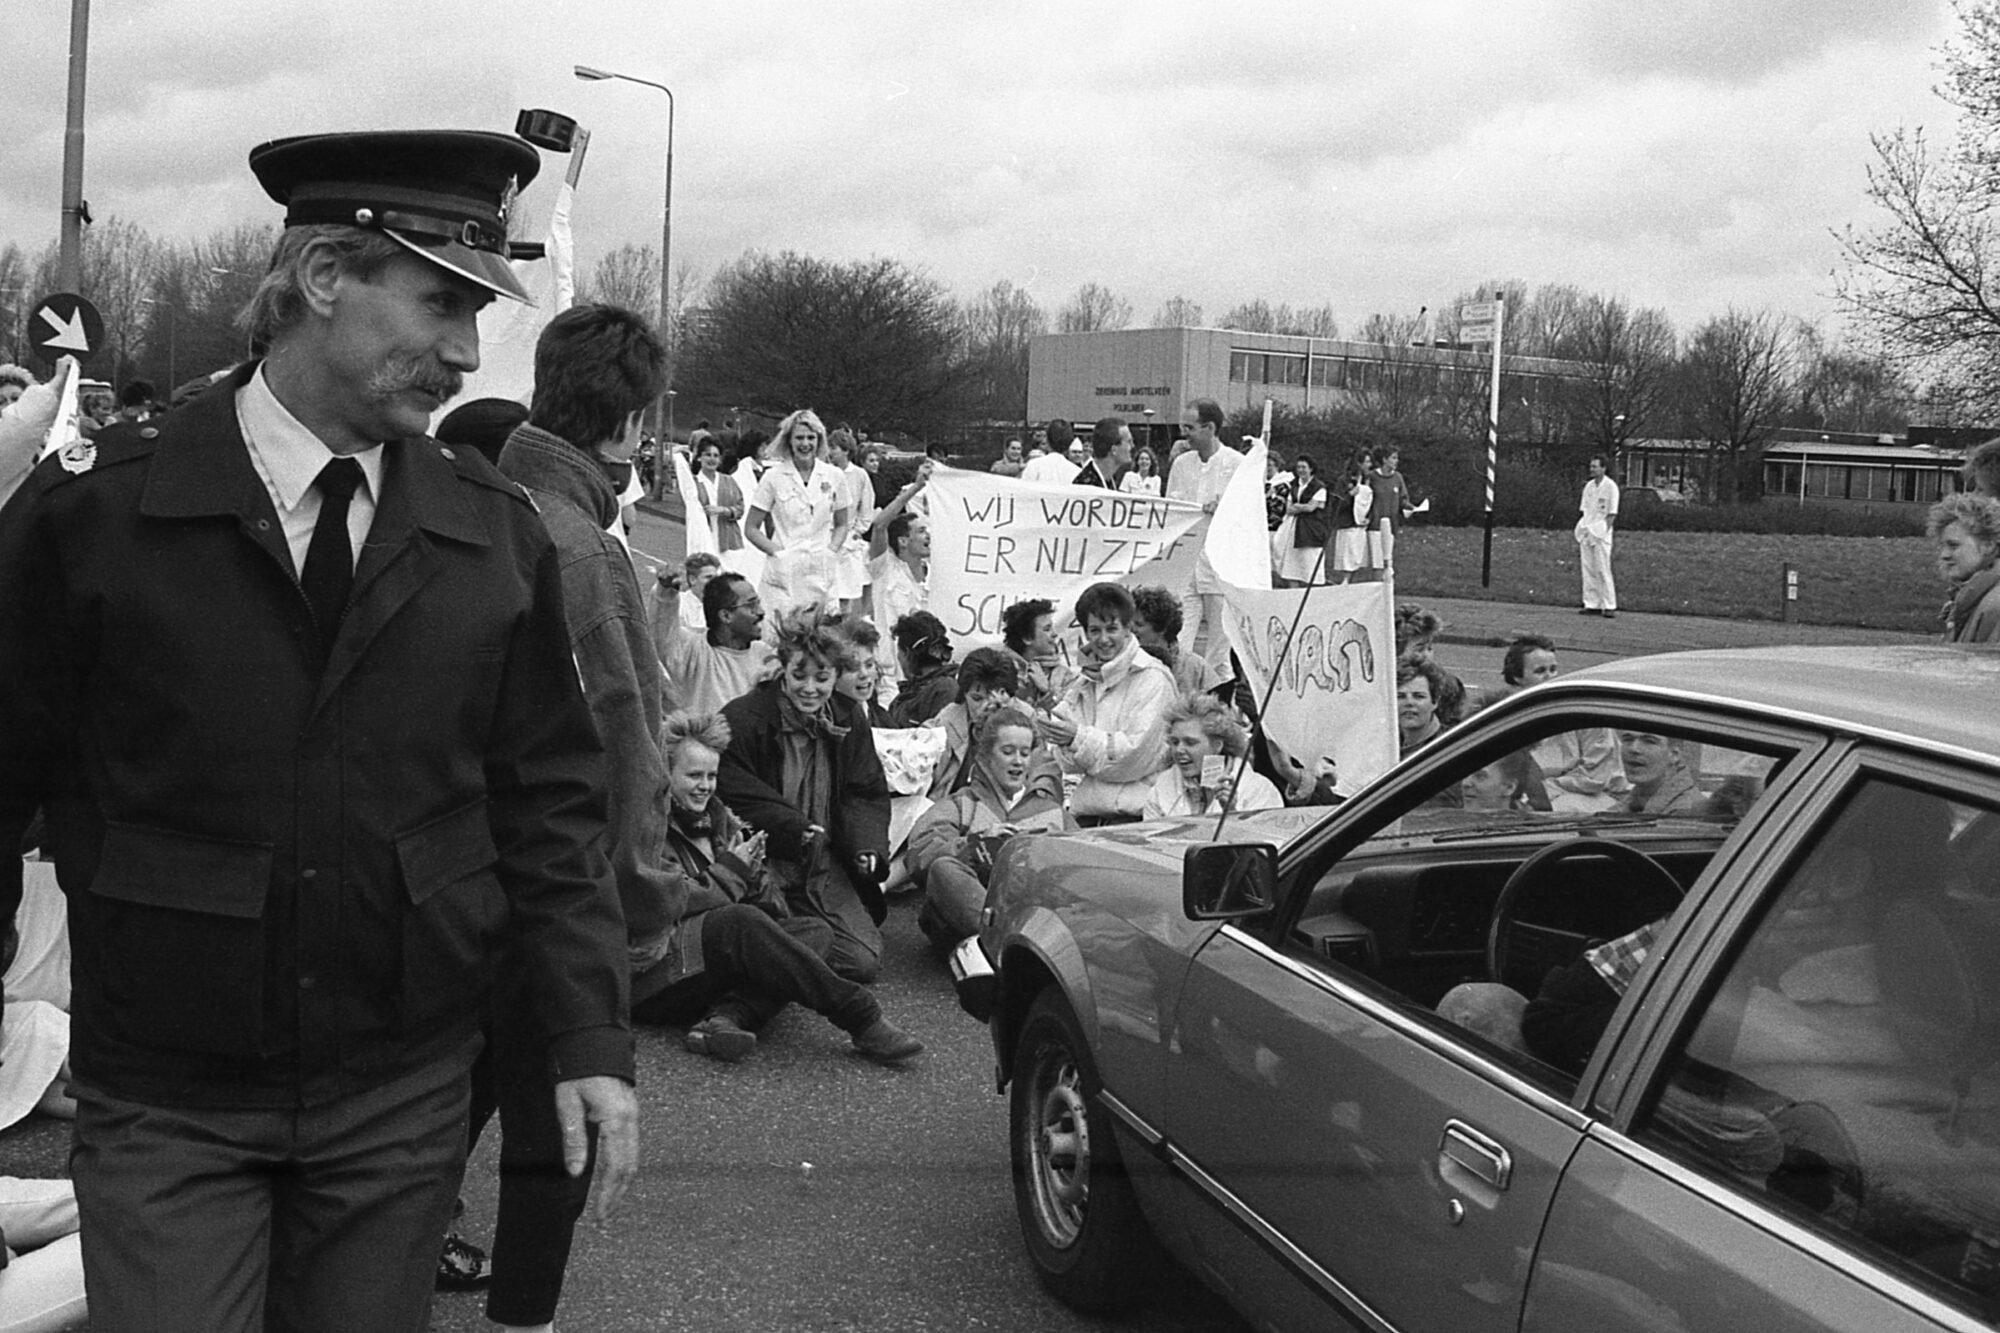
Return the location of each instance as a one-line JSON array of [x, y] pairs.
[[446, 850], [182, 870]]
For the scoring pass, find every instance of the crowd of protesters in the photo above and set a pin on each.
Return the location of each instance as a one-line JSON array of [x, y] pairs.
[[758, 734]]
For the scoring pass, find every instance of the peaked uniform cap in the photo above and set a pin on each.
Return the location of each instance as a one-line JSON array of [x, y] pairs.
[[441, 194]]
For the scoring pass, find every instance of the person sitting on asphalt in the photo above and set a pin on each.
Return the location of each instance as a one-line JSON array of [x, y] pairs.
[[706, 671], [1207, 739], [1419, 684], [923, 662], [1156, 623], [860, 676], [952, 843], [1580, 768], [1657, 767], [801, 766], [733, 951], [1109, 725], [986, 681], [1028, 629]]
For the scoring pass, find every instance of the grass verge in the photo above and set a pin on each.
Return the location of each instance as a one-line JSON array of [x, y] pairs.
[[1874, 582]]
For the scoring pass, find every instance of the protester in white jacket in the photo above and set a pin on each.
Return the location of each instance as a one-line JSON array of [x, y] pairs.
[[1109, 725]]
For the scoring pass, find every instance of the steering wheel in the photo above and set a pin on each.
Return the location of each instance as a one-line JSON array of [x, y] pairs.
[[1534, 930]]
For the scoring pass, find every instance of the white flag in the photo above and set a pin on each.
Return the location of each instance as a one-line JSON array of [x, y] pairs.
[[1239, 547]]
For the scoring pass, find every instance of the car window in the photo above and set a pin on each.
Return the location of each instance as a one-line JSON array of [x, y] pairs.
[[1846, 1070], [1613, 826]]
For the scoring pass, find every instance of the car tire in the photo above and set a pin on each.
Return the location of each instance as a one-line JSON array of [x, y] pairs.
[[1086, 1237]]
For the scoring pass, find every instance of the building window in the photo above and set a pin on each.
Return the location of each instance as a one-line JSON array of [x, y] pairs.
[[1239, 367]]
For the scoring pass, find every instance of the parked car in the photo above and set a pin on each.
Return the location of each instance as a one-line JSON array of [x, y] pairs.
[[1728, 1059]]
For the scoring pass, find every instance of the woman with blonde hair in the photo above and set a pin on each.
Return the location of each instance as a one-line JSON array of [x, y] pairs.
[[804, 497], [733, 951], [1966, 528], [1207, 740]]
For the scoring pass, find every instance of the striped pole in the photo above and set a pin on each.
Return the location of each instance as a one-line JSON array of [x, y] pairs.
[[1492, 437]]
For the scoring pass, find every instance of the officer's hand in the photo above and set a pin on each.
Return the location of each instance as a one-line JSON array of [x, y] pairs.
[[610, 1104]]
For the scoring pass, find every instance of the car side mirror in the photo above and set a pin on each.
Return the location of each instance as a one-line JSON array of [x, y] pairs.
[[1222, 881]]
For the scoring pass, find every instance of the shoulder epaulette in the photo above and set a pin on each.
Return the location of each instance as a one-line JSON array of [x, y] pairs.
[[472, 466]]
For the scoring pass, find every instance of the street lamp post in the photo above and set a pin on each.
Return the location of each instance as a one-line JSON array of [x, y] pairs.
[[590, 74]]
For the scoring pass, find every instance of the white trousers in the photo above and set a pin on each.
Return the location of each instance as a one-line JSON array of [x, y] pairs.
[[41, 1289], [1599, 592]]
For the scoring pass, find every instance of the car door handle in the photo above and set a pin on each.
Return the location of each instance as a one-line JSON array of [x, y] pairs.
[[1472, 1151]]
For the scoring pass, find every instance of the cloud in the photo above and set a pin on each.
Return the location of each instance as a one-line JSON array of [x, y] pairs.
[[1378, 157]]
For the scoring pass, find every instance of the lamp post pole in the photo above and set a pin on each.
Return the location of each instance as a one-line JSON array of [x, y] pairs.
[[69, 253], [590, 74]]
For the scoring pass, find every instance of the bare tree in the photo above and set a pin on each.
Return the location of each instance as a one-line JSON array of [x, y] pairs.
[[629, 277], [1736, 385], [15, 298], [1178, 312], [1311, 321], [1092, 309], [1625, 368], [1252, 317], [997, 326], [1923, 280], [1841, 388]]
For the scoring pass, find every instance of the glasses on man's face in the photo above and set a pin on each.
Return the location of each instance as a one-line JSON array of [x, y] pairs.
[[754, 604]]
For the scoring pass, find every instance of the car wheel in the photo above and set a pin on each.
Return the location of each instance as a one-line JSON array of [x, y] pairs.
[[1089, 1243]]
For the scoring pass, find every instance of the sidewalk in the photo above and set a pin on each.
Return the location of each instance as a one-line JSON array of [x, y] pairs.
[[1470, 622]]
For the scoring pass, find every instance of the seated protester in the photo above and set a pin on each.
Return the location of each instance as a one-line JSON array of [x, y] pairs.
[[1156, 623], [1109, 724], [1419, 685], [952, 843], [801, 767], [1029, 631], [986, 680], [706, 671], [1657, 767], [1416, 628], [732, 951], [1511, 782], [1580, 767], [923, 658], [696, 572], [861, 678], [1206, 738]]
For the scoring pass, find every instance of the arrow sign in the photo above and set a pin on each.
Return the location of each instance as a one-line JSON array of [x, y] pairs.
[[64, 324]]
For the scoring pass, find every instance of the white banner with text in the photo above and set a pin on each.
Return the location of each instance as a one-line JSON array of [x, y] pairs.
[[999, 540]]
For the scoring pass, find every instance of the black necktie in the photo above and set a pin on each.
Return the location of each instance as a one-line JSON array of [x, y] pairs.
[[329, 570]]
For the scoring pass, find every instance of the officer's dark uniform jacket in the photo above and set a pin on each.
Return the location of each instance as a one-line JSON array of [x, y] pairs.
[[288, 881]]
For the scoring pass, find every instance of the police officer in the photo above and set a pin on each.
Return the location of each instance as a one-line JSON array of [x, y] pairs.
[[292, 685]]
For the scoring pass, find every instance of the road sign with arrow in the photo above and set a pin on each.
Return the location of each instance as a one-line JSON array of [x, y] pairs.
[[64, 324]]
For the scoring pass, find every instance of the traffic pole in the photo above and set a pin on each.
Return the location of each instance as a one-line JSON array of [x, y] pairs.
[[1492, 437]]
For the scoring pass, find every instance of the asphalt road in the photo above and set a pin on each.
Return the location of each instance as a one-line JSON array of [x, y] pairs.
[[807, 1189]]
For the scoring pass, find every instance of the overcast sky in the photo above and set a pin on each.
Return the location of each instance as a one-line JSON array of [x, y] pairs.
[[1378, 156]]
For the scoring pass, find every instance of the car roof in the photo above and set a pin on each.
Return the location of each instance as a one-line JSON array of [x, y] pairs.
[[1929, 695]]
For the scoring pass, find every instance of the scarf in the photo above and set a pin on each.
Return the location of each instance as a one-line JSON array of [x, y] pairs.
[[820, 723], [692, 823], [1965, 599]]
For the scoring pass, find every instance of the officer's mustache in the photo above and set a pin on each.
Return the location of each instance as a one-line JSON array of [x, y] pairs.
[[415, 372]]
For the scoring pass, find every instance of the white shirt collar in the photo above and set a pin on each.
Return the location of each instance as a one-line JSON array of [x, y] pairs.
[[290, 455]]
